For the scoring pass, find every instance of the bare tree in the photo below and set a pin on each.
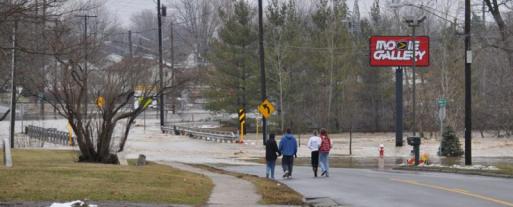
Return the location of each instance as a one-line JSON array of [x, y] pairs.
[[112, 88], [200, 20]]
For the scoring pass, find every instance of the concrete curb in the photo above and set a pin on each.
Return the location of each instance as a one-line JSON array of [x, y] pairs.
[[321, 202], [453, 170]]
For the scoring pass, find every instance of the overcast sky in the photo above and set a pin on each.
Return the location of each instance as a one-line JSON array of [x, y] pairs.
[[124, 9]]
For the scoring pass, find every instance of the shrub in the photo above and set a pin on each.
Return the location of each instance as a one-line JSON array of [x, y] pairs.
[[450, 144]]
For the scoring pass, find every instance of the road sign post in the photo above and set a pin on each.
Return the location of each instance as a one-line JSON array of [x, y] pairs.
[[242, 122], [256, 124], [442, 103]]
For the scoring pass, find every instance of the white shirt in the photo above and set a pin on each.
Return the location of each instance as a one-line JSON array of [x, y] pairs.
[[314, 143]]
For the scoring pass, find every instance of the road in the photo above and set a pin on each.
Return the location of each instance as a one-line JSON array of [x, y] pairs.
[[367, 187]]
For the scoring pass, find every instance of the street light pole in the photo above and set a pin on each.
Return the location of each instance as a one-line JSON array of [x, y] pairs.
[[414, 77], [262, 66], [414, 23], [468, 86]]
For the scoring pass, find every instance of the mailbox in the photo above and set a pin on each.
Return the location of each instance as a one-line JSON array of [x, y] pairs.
[[413, 141]]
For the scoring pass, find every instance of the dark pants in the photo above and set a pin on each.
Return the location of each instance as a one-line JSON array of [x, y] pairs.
[[315, 159], [287, 161]]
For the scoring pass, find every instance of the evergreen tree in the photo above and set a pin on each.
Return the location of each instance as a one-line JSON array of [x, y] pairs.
[[375, 95], [329, 62], [450, 144], [234, 79]]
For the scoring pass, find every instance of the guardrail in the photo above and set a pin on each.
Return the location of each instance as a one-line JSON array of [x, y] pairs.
[[50, 135], [197, 133]]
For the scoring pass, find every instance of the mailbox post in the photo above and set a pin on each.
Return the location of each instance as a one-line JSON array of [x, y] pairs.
[[415, 142]]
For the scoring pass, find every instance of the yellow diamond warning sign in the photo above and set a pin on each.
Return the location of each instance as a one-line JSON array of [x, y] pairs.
[[266, 108], [100, 101]]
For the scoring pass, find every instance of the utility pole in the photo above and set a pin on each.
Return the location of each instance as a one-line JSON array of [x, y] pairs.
[[262, 66], [86, 73], [468, 87], [172, 39], [161, 72], [13, 83], [414, 23], [43, 64], [130, 44]]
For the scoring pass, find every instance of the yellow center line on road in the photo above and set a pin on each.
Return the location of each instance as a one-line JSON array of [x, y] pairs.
[[454, 190]]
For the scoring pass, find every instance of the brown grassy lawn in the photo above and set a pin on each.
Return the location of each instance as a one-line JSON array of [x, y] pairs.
[[273, 192], [44, 175], [505, 169]]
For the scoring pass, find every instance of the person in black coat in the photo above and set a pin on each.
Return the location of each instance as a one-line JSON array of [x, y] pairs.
[[271, 154]]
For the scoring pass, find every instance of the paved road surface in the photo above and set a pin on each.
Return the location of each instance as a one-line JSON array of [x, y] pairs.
[[366, 187]]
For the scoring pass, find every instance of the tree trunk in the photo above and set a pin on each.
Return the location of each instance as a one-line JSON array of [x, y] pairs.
[[282, 110], [330, 87]]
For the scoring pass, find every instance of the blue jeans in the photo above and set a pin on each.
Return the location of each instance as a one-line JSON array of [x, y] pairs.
[[270, 168], [324, 161]]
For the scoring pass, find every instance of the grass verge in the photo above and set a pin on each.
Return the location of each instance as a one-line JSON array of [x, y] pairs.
[[273, 192], [45, 175], [506, 169]]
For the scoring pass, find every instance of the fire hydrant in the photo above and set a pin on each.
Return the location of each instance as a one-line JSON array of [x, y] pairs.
[[381, 151], [381, 160]]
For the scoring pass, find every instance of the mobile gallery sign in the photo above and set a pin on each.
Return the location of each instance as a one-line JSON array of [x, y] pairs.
[[398, 51]]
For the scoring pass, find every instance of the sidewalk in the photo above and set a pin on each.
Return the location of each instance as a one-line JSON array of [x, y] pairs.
[[228, 190]]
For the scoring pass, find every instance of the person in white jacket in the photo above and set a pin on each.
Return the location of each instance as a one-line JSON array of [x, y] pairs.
[[313, 144]]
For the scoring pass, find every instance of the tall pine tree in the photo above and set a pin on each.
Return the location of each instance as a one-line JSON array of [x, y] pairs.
[[233, 81]]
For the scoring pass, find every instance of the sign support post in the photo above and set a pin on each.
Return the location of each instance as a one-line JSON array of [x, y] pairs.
[[442, 103], [399, 107], [242, 121]]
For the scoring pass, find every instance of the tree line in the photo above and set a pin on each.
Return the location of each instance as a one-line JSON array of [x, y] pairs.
[[318, 75]]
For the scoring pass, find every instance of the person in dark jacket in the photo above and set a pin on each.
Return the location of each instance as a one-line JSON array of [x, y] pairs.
[[271, 154], [288, 148]]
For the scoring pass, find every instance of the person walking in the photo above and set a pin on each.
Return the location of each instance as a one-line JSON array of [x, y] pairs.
[[324, 151], [314, 143], [271, 154], [288, 148]]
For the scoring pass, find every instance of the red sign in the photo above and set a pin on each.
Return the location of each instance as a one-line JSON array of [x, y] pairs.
[[398, 51]]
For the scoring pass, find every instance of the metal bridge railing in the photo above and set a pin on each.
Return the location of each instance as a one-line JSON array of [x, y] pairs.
[[50, 135], [197, 133]]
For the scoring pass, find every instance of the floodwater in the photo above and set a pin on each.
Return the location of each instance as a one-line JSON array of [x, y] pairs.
[[372, 162]]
